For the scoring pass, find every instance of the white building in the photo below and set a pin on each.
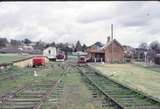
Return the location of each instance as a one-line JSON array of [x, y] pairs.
[[50, 52]]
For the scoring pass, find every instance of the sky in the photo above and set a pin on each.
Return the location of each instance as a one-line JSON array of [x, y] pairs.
[[133, 22]]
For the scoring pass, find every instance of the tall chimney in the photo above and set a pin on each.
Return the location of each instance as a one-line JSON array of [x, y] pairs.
[[111, 31]]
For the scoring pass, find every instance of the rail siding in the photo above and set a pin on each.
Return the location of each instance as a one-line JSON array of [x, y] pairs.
[[126, 86]]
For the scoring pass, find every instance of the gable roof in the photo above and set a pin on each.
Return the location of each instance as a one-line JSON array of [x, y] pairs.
[[113, 41]]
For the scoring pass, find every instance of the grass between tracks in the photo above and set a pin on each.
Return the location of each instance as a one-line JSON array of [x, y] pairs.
[[76, 94], [50, 72], [146, 80]]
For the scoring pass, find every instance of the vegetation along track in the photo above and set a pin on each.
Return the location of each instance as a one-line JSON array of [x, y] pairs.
[[30, 96], [116, 94]]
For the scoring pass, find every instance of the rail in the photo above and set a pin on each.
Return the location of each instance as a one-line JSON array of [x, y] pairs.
[[121, 96]]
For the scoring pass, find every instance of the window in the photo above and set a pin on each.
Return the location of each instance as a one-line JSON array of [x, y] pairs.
[[49, 51]]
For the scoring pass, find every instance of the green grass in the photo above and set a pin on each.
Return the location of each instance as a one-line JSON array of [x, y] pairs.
[[8, 58], [26, 76], [144, 79], [76, 94]]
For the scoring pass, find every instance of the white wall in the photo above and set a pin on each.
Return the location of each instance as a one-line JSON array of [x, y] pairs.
[[52, 54]]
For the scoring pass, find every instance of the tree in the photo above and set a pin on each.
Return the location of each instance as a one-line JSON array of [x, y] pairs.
[[3, 42], [84, 47], [151, 55], [27, 41], [40, 45], [78, 46], [155, 46], [53, 44], [15, 43], [143, 45]]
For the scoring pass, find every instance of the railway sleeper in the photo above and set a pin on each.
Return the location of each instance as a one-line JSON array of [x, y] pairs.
[[120, 92], [34, 92], [126, 101], [29, 96], [17, 107], [24, 99], [25, 103]]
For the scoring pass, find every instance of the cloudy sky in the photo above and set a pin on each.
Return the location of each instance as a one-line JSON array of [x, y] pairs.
[[134, 22]]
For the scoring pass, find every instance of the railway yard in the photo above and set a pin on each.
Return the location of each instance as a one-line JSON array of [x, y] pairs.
[[66, 85]]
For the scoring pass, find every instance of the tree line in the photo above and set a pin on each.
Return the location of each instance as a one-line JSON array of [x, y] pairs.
[[152, 49], [41, 45]]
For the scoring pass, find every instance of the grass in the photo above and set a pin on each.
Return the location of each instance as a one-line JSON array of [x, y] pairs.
[[18, 81], [144, 79], [49, 72], [76, 94], [8, 58]]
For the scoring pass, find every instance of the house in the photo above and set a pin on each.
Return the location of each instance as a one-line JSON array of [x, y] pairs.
[[50, 52], [111, 52]]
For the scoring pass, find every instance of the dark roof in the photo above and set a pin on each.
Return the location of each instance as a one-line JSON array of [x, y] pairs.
[[97, 44]]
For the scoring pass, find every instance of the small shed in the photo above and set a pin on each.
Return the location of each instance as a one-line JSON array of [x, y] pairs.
[[50, 53]]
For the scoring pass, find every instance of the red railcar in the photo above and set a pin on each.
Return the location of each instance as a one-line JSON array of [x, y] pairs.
[[38, 61], [81, 60], [60, 57]]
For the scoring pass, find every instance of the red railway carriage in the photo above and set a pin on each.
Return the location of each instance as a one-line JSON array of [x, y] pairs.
[[60, 57], [81, 60], [38, 61]]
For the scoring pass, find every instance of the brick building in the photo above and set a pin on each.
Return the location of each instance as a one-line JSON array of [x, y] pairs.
[[111, 52]]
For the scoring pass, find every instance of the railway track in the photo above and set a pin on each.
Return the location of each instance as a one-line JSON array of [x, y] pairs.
[[31, 96], [117, 95]]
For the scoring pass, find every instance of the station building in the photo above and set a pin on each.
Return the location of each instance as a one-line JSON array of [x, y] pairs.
[[111, 52]]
